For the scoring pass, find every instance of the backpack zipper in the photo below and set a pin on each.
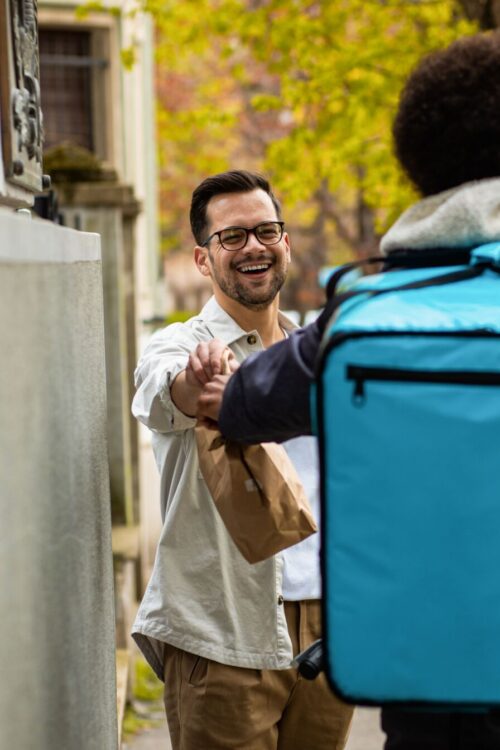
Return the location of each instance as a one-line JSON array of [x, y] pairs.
[[360, 374]]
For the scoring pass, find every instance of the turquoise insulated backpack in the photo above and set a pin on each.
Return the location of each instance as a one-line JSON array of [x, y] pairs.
[[407, 405]]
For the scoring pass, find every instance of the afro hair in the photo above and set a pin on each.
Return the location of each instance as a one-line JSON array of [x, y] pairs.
[[447, 128]]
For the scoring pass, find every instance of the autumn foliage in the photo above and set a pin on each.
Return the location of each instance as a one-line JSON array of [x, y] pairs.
[[304, 91]]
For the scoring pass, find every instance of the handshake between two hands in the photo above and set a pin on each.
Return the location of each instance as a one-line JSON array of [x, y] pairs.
[[209, 368]]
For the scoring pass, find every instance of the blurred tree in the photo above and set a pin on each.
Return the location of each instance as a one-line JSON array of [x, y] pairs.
[[304, 90], [485, 12]]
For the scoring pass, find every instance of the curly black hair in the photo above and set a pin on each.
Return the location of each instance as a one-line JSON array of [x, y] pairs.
[[447, 128]]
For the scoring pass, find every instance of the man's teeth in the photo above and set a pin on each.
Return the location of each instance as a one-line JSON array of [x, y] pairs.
[[259, 267]]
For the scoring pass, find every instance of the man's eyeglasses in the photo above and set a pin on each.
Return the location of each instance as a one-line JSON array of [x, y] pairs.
[[235, 238]]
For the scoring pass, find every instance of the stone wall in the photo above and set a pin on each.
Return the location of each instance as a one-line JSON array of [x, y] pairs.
[[109, 209], [57, 688]]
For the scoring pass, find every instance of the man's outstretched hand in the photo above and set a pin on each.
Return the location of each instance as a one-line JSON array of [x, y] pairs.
[[213, 363], [210, 358]]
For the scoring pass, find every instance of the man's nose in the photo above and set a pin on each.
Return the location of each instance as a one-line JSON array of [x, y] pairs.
[[253, 241]]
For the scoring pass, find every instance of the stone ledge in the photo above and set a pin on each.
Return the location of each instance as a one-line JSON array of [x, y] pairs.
[[98, 195]]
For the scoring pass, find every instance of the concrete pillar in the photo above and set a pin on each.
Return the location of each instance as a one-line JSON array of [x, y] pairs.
[[110, 209], [57, 687]]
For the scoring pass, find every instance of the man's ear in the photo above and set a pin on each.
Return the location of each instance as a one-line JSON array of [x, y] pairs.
[[201, 260], [288, 248]]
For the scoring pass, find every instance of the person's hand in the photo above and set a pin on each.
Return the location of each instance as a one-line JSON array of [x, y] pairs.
[[210, 358], [210, 399]]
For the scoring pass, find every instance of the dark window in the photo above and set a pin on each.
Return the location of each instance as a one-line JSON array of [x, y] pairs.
[[66, 69]]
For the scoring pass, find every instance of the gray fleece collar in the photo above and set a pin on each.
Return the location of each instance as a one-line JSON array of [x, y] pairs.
[[461, 217]]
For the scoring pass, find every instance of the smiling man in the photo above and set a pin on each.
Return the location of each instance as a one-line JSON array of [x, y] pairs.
[[221, 633]]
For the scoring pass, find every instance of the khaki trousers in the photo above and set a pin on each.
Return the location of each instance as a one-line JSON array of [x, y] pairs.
[[212, 706]]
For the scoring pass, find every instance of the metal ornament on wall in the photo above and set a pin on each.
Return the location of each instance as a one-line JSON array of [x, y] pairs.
[[22, 121]]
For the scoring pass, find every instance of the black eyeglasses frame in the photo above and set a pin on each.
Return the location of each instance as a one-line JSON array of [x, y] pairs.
[[248, 232]]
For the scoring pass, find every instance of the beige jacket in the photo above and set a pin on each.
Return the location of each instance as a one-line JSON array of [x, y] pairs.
[[203, 596]]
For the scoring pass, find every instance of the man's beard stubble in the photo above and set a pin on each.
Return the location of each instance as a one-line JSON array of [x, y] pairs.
[[251, 299]]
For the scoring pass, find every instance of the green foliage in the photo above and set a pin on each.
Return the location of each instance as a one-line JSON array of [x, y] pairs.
[[179, 316], [147, 686], [133, 723], [128, 57], [96, 6], [304, 90], [82, 11], [147, 694], [70, 163]]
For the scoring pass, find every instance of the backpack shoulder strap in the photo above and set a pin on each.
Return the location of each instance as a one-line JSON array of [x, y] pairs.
[[404, 258], [336, 300]]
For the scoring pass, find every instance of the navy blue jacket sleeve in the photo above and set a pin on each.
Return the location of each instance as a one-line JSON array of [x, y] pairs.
[[268, 398]]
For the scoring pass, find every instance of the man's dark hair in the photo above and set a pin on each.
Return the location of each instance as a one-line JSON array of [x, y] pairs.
[[447, 128], [235, 181]]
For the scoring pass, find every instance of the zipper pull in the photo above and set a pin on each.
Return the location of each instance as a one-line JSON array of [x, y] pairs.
[[358, 394]]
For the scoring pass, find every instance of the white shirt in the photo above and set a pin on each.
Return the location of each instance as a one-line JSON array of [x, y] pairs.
[[301, 570], [203, 597]]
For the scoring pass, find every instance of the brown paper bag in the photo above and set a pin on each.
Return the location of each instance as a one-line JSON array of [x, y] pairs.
[[257, 492]]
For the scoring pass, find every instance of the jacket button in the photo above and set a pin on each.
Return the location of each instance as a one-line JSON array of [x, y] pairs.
[[252, 339], [280, 599]]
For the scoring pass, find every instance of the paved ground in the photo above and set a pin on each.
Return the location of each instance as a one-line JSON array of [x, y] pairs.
[[365, 731], [365, 735], [152, 739]]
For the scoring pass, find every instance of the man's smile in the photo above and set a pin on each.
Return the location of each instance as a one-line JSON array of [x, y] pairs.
[[254, 268]]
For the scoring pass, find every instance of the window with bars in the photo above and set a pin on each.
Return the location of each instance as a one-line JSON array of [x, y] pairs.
[[68, 73]]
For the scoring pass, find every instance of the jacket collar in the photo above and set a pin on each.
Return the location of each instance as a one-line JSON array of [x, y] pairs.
[[222, 326], [465, 216]]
